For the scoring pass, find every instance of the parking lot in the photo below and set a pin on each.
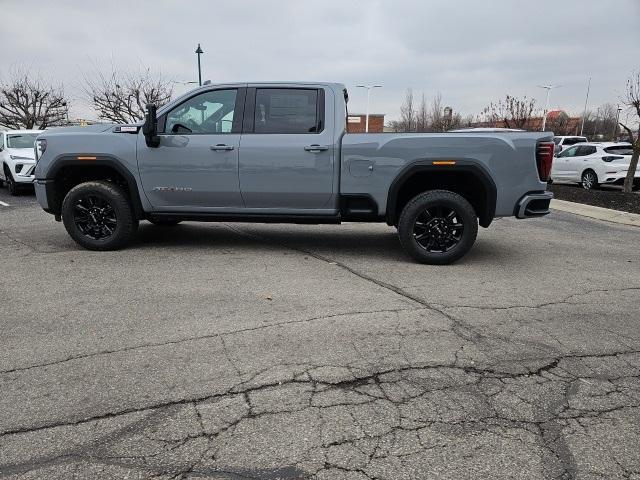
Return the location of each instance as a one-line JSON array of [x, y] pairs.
[[236, 351]]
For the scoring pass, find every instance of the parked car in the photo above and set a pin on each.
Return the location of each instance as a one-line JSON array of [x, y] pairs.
[[17, 158], [279, 152], [563, 142], [594, 164]]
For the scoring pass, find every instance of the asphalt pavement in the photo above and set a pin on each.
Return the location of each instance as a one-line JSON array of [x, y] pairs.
[[248, 351]]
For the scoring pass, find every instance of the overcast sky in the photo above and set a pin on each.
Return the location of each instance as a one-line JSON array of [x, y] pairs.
[[471, 51]]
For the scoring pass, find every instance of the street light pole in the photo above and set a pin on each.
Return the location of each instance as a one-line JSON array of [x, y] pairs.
[[615, 128], [546, 108], [584, 113], [199, 52], [369, 88]]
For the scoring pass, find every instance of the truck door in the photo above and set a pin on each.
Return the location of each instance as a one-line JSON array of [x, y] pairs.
[[287, 150], [196, 164]]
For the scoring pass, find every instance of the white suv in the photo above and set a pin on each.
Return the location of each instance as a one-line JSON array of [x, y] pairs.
[[593, 164], [564, 142], [17, 158]]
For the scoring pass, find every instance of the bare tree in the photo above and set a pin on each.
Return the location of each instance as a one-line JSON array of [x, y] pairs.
[[560, 124], [123, 97], [631, 99], [26, 101], [512, 112], [407, 122], [436, 115], [422, 116]]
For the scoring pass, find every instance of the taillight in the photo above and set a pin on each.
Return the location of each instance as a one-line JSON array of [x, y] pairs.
[[611, 158], [544, 158]]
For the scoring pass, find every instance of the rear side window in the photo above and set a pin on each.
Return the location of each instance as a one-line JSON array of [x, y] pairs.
[[586, 150], [620, 149], [574, 140], [286, 110]]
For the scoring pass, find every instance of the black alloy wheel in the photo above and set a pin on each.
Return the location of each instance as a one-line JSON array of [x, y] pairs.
[[438, 228], [94, 217], [99, 215]]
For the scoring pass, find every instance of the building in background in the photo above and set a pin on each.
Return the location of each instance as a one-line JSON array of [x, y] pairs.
[[356, 122]]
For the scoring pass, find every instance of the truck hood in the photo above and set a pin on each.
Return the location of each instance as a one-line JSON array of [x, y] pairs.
[[101, 127]]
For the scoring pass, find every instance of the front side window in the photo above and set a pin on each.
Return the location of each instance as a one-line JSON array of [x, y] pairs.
[[207, 113], [286, 110], [569, 152], [23, 140]]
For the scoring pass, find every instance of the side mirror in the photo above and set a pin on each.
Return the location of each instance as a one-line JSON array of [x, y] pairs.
[[150, 127]]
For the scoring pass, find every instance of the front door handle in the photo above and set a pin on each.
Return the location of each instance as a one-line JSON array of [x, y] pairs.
[[316, 148], [221, 147]]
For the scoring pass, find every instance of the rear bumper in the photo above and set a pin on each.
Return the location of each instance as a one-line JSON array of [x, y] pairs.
[[533, 205]]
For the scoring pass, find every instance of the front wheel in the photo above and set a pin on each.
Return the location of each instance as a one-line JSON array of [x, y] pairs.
[[98, 216], [437, 227], [11, 183]]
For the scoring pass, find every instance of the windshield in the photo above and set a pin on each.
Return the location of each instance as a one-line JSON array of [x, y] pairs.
[[24, 140]]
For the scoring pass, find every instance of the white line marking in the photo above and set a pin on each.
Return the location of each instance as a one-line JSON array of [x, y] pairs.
[[4, 204]]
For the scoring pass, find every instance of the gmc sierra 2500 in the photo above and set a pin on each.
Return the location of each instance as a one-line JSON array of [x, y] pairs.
[[279, 152]]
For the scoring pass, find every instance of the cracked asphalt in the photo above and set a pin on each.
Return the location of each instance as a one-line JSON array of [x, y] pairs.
[[238, 351]]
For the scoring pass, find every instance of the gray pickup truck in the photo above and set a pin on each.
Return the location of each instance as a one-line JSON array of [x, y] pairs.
[[279, 152]]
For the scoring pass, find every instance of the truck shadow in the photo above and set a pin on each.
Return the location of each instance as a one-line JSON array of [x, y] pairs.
[[323, 240]]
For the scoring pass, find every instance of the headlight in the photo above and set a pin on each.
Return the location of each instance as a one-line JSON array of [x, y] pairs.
[[40, 147], [19, 157]]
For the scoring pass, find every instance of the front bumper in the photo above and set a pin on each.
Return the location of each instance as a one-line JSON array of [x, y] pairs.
[[535, 204], [22, 170]]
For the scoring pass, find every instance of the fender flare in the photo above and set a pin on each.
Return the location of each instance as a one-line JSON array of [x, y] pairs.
[[101, 160], [462, 165]]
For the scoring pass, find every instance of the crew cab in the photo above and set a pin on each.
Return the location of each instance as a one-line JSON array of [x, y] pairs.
[[279, 152]]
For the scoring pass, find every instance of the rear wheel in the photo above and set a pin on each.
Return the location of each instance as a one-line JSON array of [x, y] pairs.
[[437, 227], [589, 180], [98, 216]]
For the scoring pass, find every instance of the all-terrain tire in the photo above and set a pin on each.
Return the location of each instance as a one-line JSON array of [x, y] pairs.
[[109, 198], [454, 236]]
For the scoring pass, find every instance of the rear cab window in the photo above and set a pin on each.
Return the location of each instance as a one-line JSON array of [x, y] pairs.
[[288, 110]]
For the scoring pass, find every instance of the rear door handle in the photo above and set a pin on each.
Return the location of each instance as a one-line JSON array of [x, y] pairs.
[[316, 148], [221, 147]]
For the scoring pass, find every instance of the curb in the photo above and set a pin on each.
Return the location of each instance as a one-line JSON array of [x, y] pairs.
[[599, 213]]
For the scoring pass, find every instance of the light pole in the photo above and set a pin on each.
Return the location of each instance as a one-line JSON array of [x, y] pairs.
[[199, 52], [546, 108], [369, 88], [584, 113], [615, 128]]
